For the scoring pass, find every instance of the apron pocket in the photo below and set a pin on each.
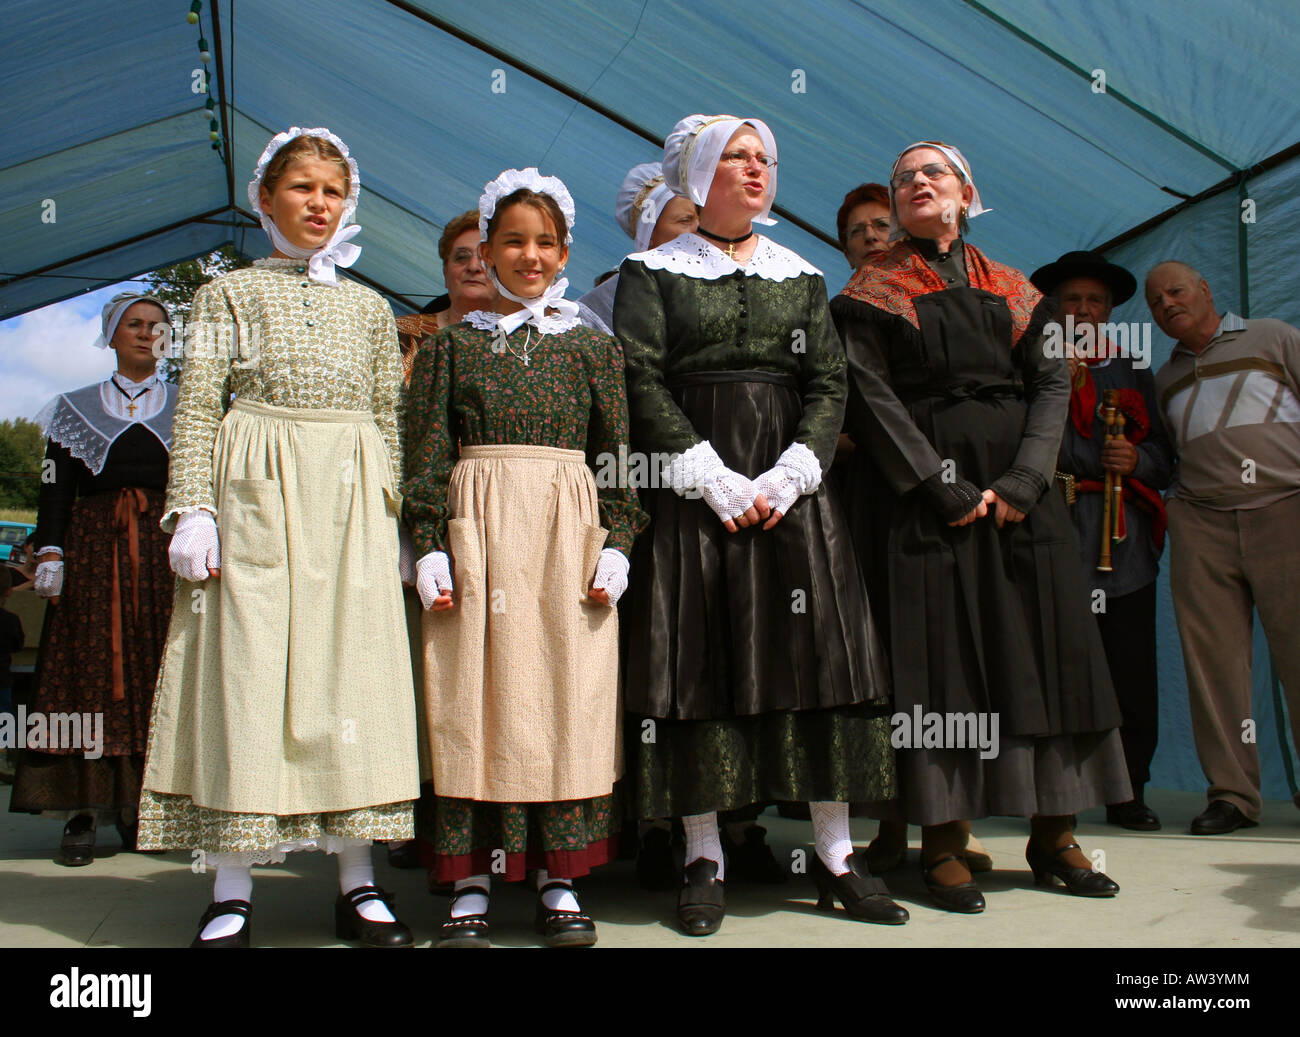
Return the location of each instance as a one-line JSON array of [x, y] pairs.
[[463, 546], [252, 523], [393, 502]]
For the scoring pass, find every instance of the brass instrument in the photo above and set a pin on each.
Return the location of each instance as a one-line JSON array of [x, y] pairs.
[[1112, 505]]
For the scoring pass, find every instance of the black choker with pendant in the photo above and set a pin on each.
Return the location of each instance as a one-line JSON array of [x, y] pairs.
[[731, 243]]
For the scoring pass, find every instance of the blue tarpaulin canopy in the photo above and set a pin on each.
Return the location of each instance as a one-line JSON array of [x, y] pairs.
[[1166, 129]]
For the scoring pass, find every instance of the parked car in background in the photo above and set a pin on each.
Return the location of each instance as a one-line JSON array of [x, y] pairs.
[[12, 537]]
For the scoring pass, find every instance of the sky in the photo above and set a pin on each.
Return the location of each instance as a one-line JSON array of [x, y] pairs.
[[48, 351]]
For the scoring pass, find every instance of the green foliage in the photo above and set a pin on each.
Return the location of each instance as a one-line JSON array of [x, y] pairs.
[[175, 285], [22, 447]]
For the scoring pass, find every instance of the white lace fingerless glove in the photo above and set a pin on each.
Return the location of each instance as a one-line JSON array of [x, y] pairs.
[[49, 579], [405, 557], [433, 576], [700, 469], [796, 472], [611, 574], [195, 546]]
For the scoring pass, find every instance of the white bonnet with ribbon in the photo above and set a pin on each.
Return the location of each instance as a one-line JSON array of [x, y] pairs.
[[338, 251]]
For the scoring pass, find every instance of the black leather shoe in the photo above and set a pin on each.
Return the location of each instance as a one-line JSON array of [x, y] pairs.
[[563, 928], [863, 895], [468, 930], [240, 938], [1134, 815], [1220, 818], [964, 898], [350, 924], [753, 860], [1082, 882], [655, 868], [78, 846], [701, 905]]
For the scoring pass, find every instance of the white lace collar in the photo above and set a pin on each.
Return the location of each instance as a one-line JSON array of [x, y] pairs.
[[551, 324], [693, 256]]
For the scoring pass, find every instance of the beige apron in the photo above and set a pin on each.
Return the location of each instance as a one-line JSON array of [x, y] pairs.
[[521, 690], [285, 686]]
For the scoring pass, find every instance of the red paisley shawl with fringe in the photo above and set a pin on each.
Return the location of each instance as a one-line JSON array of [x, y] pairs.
[[902, 274]]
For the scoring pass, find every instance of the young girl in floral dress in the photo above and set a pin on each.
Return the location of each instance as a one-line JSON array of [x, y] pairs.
[[284, 717], [521, 559]]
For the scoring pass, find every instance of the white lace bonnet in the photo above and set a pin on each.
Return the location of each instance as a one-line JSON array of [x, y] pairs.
[[279, 141], [511, 181], [339, 250]]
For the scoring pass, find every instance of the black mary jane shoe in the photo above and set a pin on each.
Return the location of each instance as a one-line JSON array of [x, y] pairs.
[[965, 898], [78, 846], [350, 924], [863, 895], [1082, 882], [752, 859], [563, 928], [701, 905], [468, 930], [240, 938]]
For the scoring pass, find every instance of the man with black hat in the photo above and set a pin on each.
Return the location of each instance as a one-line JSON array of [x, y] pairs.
[[1086, 288]]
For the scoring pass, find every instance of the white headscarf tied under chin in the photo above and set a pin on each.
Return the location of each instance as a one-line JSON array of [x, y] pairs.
[[535, 307], [339, 250]]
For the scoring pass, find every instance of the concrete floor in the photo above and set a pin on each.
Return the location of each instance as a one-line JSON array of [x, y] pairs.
[[1241, 890]]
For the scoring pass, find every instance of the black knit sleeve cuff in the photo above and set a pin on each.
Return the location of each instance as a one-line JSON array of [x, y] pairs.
[[952, 500], [1020, 487]]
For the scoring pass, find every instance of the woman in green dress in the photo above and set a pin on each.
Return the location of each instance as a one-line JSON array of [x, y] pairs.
[[508, 414], [757, 676]]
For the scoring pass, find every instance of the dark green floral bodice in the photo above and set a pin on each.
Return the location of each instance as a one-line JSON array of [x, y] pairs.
[[673, 324], [466, 390]]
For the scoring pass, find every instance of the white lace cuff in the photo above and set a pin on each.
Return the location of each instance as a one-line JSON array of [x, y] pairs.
[[57, 550], [689, 469], [169, 520], [803, 463]]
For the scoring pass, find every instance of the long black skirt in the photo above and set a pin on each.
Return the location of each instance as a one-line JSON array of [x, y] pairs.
[[989, 621], [753, 672]]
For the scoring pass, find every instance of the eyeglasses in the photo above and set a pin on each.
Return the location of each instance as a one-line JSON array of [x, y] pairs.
[[858, 230], [932, 170], [744, 158]]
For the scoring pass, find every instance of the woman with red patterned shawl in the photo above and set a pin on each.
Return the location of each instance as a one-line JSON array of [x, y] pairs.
[[958, 415]]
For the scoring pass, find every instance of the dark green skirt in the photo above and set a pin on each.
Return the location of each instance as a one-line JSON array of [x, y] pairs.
[[684, 767], [463, 837]]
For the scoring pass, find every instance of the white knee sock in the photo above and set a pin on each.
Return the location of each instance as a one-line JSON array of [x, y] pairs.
[[356, 869], [472, 903], [702, 840], [232, 883], [831, 833], [557, 899]]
